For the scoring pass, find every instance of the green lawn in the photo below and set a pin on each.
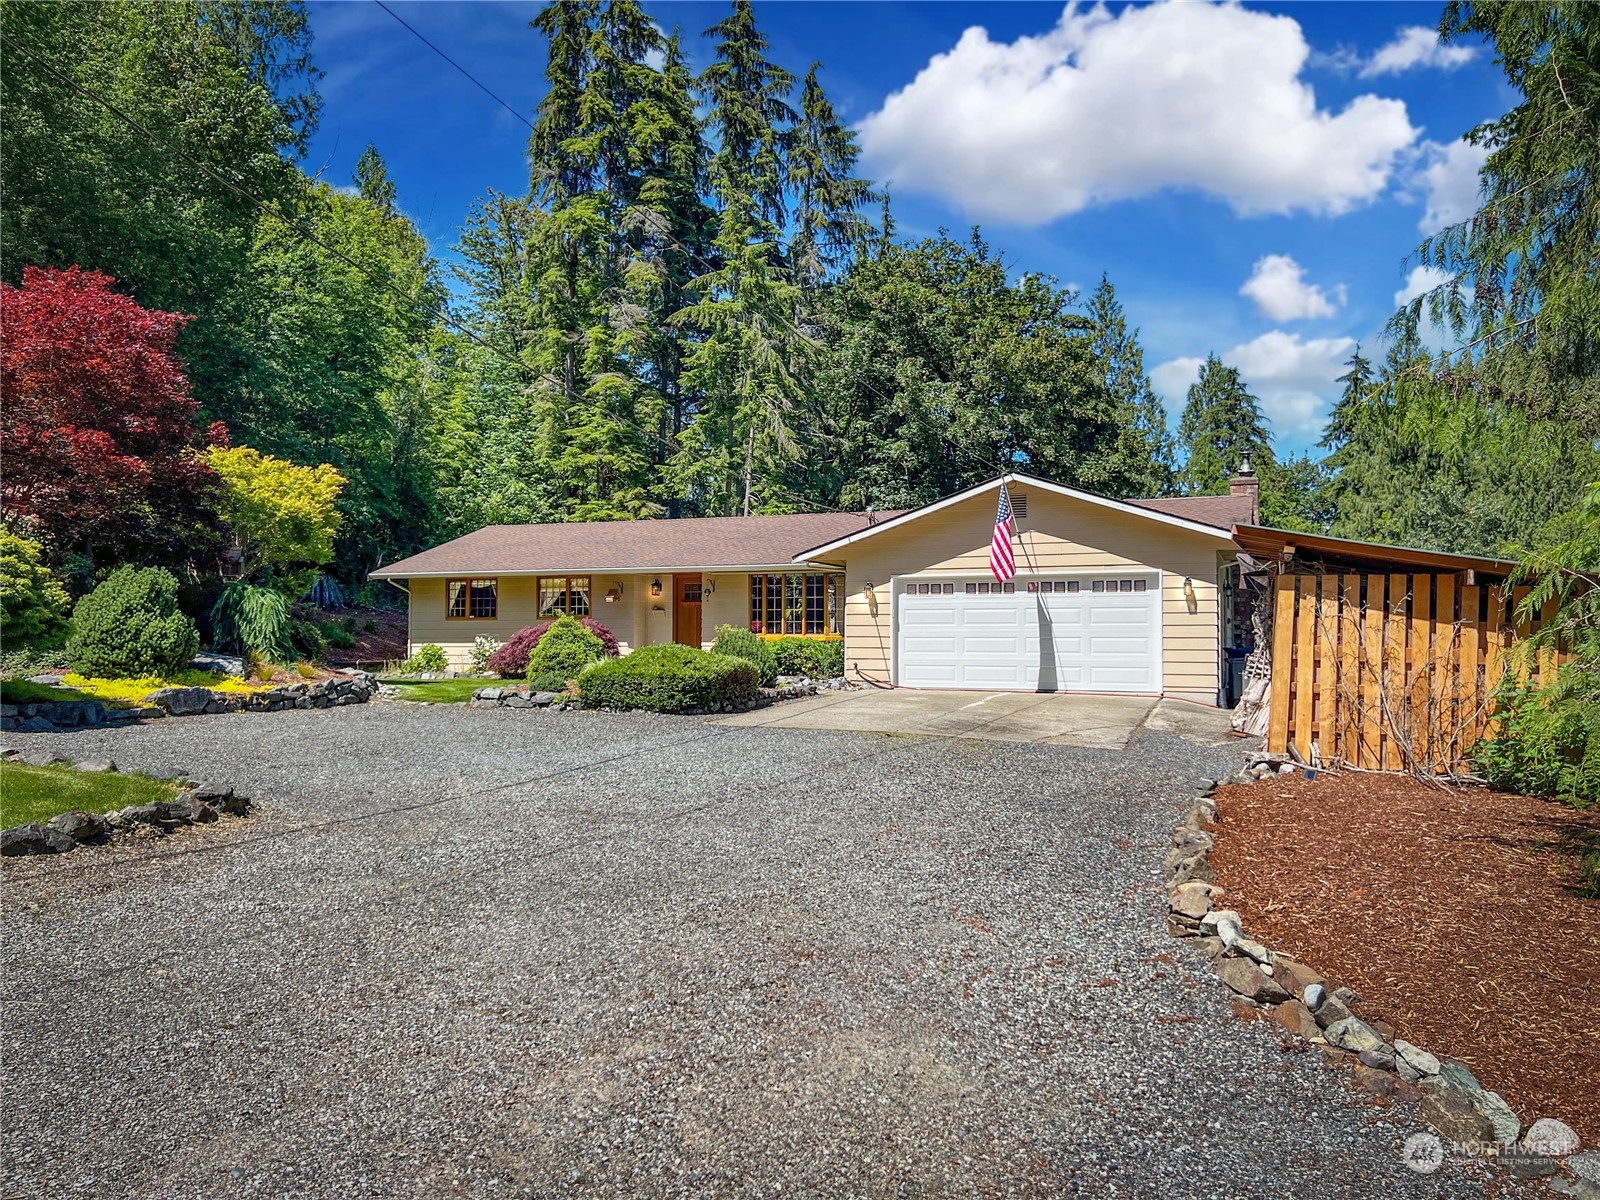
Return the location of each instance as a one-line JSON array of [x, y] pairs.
[[441, 691], [20, 691], [39, 793]]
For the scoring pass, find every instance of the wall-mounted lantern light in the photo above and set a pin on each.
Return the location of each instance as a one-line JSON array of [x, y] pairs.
[[872, 598], [614, 593], [1188, 594], [708, 587], [655, 586]]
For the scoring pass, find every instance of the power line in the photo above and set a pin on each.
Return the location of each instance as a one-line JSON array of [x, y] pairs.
[[271, 210], [478, 83]]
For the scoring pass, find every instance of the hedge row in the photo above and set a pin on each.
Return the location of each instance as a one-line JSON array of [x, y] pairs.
[[669, 679]]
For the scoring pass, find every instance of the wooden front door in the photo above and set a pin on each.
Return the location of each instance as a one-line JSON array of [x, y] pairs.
[[686, 609]]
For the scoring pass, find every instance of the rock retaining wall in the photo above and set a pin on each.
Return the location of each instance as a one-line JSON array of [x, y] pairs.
[[1452, 1101], [195, 804], [524, 698], [355, 687]]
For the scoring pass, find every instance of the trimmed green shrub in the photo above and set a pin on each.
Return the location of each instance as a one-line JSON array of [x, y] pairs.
[[741, 643], [669, 679], [247, 617], [33, 604], [549, 681], [130, 626], [815, 658], [428, 660], [511, 658], [565, 649]]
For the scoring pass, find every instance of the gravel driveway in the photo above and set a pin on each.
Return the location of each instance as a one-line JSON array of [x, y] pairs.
[[487, 953]]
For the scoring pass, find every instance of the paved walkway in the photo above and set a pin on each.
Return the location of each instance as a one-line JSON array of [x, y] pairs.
[[489, 953], [1103, 722]]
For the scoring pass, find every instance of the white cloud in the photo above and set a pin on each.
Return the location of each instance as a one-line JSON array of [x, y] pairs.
[[1109, 106], [1450, 180], [1172, 380], [1278, 287], [1419, 282], [1295, 377], [1415, 46]]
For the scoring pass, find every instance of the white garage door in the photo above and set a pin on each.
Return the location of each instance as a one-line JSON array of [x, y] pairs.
[[1089, 633]]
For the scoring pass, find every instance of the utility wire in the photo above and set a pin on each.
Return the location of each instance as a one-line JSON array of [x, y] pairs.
[[708, 266], [272, 210], [481, 85]]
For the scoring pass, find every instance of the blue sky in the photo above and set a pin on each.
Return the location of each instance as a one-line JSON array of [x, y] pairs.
[[1253, 178]]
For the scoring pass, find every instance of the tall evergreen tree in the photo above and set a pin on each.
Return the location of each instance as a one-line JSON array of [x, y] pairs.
[[1222, 426], [374, 185], [1142, 417], [1524, 275], [671, 226], [747, 96], [752, 358], [1345, 419], [828, 196]]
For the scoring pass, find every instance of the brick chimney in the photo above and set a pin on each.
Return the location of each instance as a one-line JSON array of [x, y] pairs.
[[1247, 483]]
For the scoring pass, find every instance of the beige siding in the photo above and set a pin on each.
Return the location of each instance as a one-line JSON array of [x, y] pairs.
[[1060, 534], [518, 608]]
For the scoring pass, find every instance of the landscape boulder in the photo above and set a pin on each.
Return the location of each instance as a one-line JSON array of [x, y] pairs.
[[79, 826], [1353, 1034], [180, 701], [1550, 1137], [220, 797], [34, 838], [1244, 977]]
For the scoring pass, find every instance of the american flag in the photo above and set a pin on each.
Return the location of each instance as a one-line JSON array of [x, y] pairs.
[[1001, 560]]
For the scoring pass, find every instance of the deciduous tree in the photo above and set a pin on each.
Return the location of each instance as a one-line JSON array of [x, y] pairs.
[[99, 425]]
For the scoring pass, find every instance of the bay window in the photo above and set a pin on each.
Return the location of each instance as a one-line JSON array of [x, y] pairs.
[[806, 604]]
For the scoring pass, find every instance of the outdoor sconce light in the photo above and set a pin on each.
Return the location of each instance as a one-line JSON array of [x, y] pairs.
[[614, 593], [1188, 594], [655, 587], [709, 588], [872, 598]]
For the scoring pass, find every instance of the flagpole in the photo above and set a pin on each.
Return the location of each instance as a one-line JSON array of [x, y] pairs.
[[1026, 553]]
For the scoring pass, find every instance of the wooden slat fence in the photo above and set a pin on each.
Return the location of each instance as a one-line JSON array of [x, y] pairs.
[[1391, 672]]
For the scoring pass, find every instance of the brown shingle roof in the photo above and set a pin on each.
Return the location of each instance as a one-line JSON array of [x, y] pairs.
[[1222, 511], [688, 543]]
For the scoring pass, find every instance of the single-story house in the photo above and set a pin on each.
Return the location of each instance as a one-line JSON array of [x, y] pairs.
[[1109, 595]]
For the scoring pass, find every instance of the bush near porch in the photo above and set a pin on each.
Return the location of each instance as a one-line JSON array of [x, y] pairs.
[[669, 679], [741, 643], [511, 659], [815, 658]]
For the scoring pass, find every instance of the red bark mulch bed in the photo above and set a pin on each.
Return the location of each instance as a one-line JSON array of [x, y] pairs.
[[1454, 914]]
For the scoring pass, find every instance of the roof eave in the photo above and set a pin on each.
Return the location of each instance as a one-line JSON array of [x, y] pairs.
[[1213, 531], [1262, 536]]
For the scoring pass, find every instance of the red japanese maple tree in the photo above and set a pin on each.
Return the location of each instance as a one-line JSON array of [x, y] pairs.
[[98, 425]]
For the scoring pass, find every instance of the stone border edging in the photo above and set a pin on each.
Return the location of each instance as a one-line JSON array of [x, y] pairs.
[[197, 803], [524, 698], [1294, 995], [56, 716]]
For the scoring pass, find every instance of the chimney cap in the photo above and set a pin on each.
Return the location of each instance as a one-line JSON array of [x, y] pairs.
[[1244, 467]]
